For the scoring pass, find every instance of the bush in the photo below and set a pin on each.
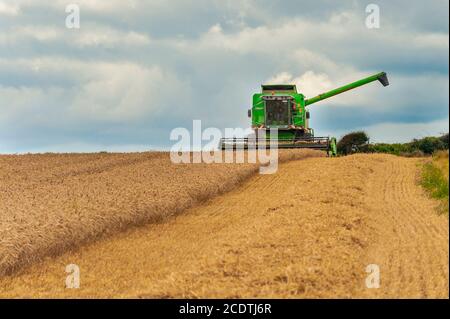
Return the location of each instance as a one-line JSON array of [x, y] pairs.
[[358, 142], [353, 142], [444, 140], [396, 149], [429, 145]]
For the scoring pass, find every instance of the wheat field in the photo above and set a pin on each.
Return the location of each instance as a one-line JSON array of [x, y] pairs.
[[51, 203], [308, 231]]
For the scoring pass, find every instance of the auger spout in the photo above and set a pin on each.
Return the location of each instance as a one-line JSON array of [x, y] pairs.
[[382, 77]]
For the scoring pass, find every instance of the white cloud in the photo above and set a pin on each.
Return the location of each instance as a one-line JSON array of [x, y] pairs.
[[30, 107], [88, 36], [105, 7], [40, 33], [101, 36], [9, 9], [101, 91], [321, 46], [91, 5], [432, 40], [125, 91], [276, 39]]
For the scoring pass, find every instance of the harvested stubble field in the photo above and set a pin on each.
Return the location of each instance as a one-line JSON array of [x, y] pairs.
[[310, 230], [50, 203]]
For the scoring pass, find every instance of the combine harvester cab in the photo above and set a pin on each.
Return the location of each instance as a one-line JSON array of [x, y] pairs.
[[281, 107]]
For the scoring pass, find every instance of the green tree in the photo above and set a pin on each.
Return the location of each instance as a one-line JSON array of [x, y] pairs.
[[353, 142]]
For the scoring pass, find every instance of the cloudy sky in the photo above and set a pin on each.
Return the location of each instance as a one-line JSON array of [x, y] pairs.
[[136, 69]]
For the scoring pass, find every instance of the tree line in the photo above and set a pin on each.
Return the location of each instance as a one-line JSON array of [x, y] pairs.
[[359, 142]]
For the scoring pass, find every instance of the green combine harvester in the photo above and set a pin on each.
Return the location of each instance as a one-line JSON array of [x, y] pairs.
[[280, 106]]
